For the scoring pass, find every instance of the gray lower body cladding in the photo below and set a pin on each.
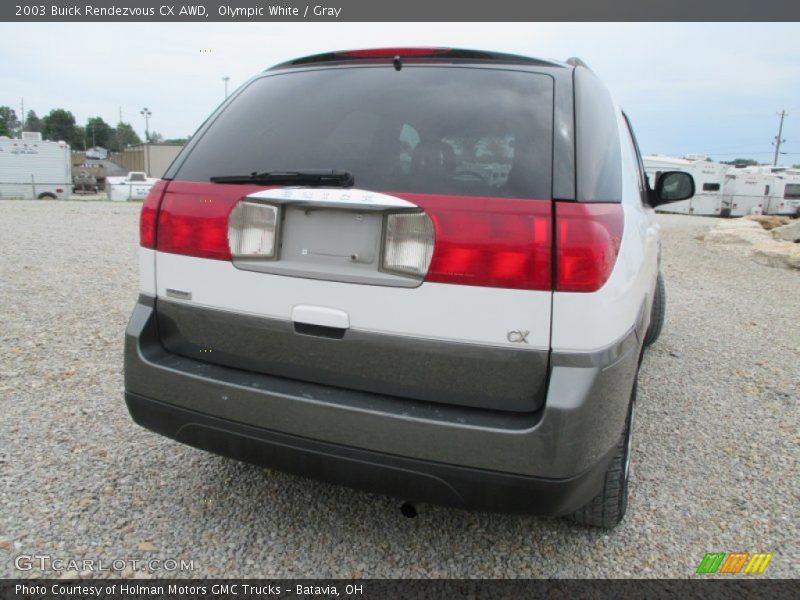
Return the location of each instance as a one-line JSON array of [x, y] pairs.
[[548, 461], [409, 479], [502, 379]]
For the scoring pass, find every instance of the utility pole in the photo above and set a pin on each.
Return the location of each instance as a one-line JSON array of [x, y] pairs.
[[778, 140], [119, 139], [22, 116], [145, 112], [226, 79]]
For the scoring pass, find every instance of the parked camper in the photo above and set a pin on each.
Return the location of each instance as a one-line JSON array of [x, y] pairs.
[[709, 179], [33, 168], [784, 198], [747, 191], [134, 186]]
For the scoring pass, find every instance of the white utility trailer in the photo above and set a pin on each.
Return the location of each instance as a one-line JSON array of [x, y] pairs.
[[134, 186], [709, 178], [34, 168]]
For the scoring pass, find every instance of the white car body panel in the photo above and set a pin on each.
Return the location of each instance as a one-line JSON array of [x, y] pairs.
[[468, 314], [147, 271]]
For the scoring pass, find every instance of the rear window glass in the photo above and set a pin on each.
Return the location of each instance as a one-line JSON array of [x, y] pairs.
[[465, 131]]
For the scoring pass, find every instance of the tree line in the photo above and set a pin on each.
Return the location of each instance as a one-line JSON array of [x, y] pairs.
[[59, 124]]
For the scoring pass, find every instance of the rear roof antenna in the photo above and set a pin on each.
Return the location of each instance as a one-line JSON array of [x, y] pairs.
[[398, 64]]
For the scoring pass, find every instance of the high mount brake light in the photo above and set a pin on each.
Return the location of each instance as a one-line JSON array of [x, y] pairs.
[[392, 52]]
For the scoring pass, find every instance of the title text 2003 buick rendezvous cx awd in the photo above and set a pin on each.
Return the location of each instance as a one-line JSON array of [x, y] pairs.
[[422, 271]]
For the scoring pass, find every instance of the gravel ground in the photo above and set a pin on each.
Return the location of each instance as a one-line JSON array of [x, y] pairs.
[[715, 461]]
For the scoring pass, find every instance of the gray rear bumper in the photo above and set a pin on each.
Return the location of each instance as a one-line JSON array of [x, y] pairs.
[[569, 439]]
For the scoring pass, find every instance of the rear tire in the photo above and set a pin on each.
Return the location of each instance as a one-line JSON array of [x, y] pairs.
[[608, 508], [657, 313]]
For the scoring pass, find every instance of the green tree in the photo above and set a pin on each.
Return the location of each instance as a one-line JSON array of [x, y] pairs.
[[126, 136], [33, 122], [59, 124], [9, 118], [98, 132], [154, 137], [3, 128], [78, 140], [178, 141]]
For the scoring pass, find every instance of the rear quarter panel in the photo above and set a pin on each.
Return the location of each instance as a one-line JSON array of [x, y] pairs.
[[583, 322]]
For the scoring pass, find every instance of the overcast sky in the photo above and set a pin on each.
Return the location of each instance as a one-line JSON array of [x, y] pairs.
[[703, 88]]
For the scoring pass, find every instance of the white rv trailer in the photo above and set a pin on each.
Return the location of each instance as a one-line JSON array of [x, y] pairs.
[[709, 178], [746, 191], [33, 168], [784, 192], [762, 190]]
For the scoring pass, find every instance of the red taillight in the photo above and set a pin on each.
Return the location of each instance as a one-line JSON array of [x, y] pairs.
[[588, 237], [147, 218], [491, 242], [392, 52], [59, 190], [193, 218]]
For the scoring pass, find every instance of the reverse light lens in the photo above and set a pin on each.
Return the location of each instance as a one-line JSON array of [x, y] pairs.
[[252, 229], [409, 244]]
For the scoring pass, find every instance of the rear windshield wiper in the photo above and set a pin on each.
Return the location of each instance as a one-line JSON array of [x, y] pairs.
[[321, 177]]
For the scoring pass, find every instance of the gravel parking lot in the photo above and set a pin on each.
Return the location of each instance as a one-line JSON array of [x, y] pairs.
[[715, 461]]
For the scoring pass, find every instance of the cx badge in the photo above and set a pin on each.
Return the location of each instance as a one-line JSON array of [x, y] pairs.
[[517, 336]]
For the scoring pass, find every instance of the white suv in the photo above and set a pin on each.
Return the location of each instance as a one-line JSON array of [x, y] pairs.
[[423, 271]]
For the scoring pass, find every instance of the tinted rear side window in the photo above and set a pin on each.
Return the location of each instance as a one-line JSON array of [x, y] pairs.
[[464, 131], [599, 162]]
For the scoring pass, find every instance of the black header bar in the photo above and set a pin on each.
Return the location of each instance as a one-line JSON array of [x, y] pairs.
[[404, 10]]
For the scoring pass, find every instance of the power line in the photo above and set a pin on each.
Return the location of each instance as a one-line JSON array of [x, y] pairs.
[[749, 152]]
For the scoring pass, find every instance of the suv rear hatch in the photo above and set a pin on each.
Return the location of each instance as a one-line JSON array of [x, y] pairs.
[[428, 279]]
